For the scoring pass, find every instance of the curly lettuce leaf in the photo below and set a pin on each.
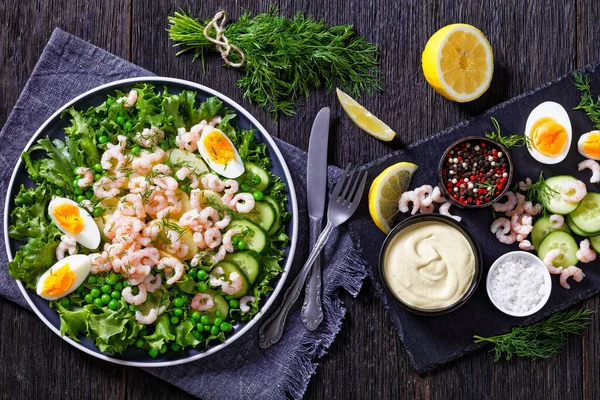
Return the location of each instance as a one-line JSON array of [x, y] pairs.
[[81, 139], [56, 168], [183, 334], [28, 218], [162, 334]]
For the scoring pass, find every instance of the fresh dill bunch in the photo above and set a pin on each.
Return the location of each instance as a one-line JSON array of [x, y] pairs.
[[538, 192], [587, 103], [286, 57], [507, 141], [543, 339]]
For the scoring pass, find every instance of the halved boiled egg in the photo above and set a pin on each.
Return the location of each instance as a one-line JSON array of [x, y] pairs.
[[549, 132], [74, 220], [589, 145], [219, 153], [63, 277]]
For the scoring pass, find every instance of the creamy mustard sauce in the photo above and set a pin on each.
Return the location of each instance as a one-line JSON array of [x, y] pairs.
[[429, 265]]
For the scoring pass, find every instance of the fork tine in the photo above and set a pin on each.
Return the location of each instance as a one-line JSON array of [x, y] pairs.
[[340, 183], [348, 193], [358, 194], [348, 182]]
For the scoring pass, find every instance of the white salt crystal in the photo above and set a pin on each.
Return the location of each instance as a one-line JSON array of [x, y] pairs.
[[517, 285]]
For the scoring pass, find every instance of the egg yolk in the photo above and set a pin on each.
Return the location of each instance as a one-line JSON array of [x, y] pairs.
[[58, 281], [68, 217], [591, 145], [548, 136], [218, 147]]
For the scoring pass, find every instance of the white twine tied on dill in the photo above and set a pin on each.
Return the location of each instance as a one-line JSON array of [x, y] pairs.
[[221, 41]]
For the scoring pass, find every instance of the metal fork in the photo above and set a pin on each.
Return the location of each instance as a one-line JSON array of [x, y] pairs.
[[343, 202]]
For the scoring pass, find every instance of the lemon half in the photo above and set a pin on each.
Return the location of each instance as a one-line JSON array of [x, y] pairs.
[[364, 119], [458, 62], [385, 192]]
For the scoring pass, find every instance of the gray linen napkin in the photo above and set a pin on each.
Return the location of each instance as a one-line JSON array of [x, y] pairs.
[[70, 66]]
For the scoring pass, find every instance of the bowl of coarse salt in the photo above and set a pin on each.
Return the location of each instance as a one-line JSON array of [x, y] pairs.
[[519, 284]]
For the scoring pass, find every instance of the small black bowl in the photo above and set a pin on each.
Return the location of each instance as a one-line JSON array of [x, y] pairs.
[[434, 218], [497, 196]]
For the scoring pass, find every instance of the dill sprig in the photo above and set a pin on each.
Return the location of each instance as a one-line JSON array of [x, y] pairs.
[[587, 103], [543, 339], [286, 57], [507, 141], [539, 192]]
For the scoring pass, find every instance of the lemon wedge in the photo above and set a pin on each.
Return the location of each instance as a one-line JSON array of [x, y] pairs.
[[385, 192], [458, 62], [364, 119]]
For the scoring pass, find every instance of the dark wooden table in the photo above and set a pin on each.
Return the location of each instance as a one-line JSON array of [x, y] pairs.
[[532, 42]]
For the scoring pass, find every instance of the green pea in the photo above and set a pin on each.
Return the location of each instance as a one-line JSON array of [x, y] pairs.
[[207, 328], [105, 298], [175, 347], [199, 327], [178, 302], [128, 125], [88, 298], [218, 321], [103, 139], [139, 343], [101, 280], [115, 295], [65, 302], [233, 303], [120, 120], [197, 335], [202, 287], [149, 297], [80, 198], [245, 187], [91, 280], [258, 195], [58, 192], [201, 275], [125, 284], [215, 330], [196, 316], [217, 314], [242, 245], [113, 304], [163, 349], [97, 177], [89, 194], [153, 353], [193, 273], [98, 302], [98, 211], [95, 292], [235, 240], [108, 102], [174, 320], [77, 190], [228, 297], [226, 327], [178, 312], [95, 121], [112, 278], [118, 287], [98, 168], [205, 319], [136, 150], [106, 288], [185, 188]]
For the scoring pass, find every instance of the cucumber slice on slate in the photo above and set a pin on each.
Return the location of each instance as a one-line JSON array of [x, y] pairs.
[[587, 214], [542, 228], [563, 242], [554, 202]]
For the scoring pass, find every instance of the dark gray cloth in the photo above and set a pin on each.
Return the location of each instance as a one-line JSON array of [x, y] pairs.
[[432, 341], [70, 66]]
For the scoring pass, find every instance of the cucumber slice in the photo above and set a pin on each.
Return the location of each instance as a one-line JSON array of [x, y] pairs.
[[254, 236], [230, 268], [542, 228], [565, 243], [264, 215], [221, 305], [595, 243], [554, 202], [587, 215], [246, 262], [261, 173], [277, 221], [575, 229]]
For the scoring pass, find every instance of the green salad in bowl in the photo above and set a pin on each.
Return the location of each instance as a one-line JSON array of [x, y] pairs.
[[156, 224]]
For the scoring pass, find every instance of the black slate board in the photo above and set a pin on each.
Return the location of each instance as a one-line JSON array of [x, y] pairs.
[[432, 341]]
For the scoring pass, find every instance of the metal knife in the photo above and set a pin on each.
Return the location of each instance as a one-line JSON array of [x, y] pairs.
[[316, 178]]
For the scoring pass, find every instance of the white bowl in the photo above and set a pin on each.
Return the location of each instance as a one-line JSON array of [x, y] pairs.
[[533, 260]]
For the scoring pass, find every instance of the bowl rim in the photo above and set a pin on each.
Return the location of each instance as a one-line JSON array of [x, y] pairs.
[[547, 281], [264, 135], [448, 195], [474, 246]]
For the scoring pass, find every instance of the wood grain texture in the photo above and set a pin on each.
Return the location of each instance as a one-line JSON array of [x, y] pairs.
[[533, 43]]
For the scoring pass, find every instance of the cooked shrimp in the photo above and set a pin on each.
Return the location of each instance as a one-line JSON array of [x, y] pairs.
[[557, 221], [67, 243], [227, 238], [509, 205], [198, 238], [132, 205], [157, 201], [212, 237], [149, 137], [87, 204], [187, 140], [137, 299], [585, 254], [88, 177], [173, 206], [549, 261], [209, 216], [509, 238], [166, 183], [195, 197], [426, 209], [162, 169], [215, 278], [524, 186], [202, 302], [223, 222], [176, 265], [573, 191], [219, 255], [244, 308], [521, 224], [216, 120], [185, 172], [573, 271], [112, 159], [198, 128], [233, 284], [436, 195], [192, 220], [149, 318], [424, 193], [131, 99], [231, 188], [405, 199], [100, 262], [152, 282], [501, 225], [107, 188], [242, 202], [593, 166], [518, 210], [532, 209], [212, 182], [445, 210], [143, 164], [138, 184], [526, 245]]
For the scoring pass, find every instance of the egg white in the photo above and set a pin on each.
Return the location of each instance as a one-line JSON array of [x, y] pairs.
[[582, 140], [79, 264], [90, 235], [232, 169], [549, 109]]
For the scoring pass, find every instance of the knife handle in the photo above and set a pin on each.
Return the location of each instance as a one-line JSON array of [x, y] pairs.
[[312, 308]]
